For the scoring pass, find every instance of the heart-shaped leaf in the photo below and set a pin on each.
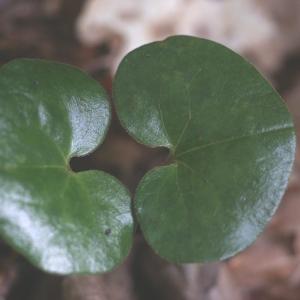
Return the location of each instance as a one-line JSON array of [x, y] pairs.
[[62, 221], [231, 141]]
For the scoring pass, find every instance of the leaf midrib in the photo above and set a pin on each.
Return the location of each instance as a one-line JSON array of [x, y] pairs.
[[231, 139]]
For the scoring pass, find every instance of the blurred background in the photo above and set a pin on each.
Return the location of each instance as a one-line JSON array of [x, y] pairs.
[[94, 35]]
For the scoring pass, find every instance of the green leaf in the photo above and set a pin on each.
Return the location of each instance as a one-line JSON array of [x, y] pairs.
[[231, 141], [62, 221]]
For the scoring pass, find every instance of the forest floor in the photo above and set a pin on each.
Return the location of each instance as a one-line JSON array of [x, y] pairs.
[[267, 270]]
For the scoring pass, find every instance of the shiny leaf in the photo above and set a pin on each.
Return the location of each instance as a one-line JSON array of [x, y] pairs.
[[231, 141], [62, 221]]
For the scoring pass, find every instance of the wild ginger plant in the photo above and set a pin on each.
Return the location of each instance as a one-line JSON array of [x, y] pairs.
[[231, 141]]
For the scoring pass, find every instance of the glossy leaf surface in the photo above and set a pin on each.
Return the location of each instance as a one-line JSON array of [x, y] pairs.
[[231, 141], [62, 221]]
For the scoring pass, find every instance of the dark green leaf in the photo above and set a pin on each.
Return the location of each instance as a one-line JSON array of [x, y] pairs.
[[60, 220], [231, 141]]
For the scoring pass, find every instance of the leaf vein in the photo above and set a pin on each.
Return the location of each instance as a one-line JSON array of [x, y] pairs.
[[231, 139]]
